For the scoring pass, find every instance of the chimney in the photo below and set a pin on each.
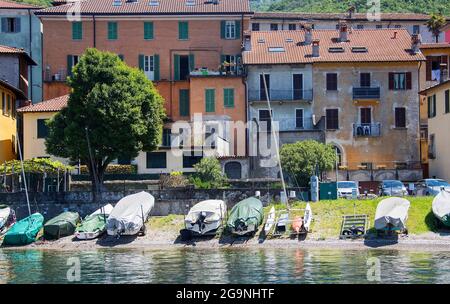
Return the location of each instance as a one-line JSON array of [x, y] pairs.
[[308, 35], [416, 41], [444, 72], [315, 48], [395, 35], [350, 11], [343, 31]]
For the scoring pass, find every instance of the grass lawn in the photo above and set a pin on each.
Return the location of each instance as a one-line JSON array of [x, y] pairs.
[[327, 215]]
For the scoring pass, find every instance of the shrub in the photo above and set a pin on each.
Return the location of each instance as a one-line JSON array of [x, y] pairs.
[[175, 179], [208, 174]]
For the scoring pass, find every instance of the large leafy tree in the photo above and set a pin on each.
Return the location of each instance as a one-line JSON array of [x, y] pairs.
[[434, 24], [113, 111], [303, 158]]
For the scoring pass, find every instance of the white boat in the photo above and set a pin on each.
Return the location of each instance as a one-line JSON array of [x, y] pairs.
[[130, 214], [4, 215], [94, 224], [441, 207], [206, 216], [307, 218], [270, 220], [392, 214]]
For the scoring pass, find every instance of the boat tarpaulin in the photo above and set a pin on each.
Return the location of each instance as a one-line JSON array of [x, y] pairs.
[[441, 207], [215, 210], [93, 223], [248, 212], [24, 231], [61, 225], [392, 212], [130, 213]]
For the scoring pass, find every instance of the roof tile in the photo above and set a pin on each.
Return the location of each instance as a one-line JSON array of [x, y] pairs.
[[51, 105]]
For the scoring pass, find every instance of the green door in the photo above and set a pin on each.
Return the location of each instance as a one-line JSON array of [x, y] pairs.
[[328, 191]]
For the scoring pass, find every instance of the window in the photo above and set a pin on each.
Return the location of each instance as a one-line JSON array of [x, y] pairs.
[[10, 25], [264, 120], [8, 104], [400, 81], [400, 117], [416, 29], [398, 26], [13, 106], [190, 159], [255, 27], [72, 61], [232, 63], [3, 103], [230, 29], [274, 27], [364, 79], [148, 30], [228, 98], [379, 26], [447, 101], [184, 102], [299, 118], [166, 136], [112, 30], [77, 30], [338, 156], [210, 100], [431, 106], [432, 147], [42, 129], [332, 82], [156, 160], [332, 119], [360, 27], [292, 26], [183, 30]]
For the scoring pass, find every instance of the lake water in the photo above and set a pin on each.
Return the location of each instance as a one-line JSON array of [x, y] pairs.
[[224, 266]]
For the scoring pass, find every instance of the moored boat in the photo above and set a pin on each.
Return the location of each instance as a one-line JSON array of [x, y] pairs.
[[24, 231], [7, 218], [94, 224], [61, 225], [206, 217], [246, 216], [441, 207], [130, 214], [391, 214], [270, 220]]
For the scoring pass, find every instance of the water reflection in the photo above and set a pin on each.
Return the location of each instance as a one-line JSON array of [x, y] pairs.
[[224, 266]]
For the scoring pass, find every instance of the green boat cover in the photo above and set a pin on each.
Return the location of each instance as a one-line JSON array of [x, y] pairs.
[[61, 225], [248, 212], [24, 231], [93, 223]]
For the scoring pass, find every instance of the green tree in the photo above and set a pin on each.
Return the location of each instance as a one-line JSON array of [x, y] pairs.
[[113, 111], [434, 24], [208, 174], [301, 158]]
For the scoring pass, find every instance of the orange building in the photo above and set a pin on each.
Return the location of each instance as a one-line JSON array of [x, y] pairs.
[[191, 49]]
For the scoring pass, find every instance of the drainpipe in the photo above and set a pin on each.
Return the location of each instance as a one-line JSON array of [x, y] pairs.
[[420, 97], [94, 30], [30, 87]]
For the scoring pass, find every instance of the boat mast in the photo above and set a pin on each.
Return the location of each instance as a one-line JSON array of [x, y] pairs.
[[23, 173], [277, 148]]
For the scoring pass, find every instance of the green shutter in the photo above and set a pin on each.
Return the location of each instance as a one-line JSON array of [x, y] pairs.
[[77, 30], [184, 102], [222, 29], [183, 30], [228, 98], [210, 100], [191, 62], [148, 30], [141, 62], [176, 67], [238, 29], [156, 63], [69, 65], [112, 30]]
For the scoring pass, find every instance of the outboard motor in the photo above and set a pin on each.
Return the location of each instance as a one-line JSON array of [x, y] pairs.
[[201, 221], [241, 226]]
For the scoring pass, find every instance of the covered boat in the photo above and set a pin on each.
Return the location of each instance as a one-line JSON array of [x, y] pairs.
[[7, 218], [206, 217], [392, 214], [24, 231], [246, 216], [441, 207], [130, 214], [94, 224], [61, 225]]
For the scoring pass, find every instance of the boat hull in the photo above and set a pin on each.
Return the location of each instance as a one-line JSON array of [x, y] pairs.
[[208, 228], [24, 232], [441, 208], [250, 229]]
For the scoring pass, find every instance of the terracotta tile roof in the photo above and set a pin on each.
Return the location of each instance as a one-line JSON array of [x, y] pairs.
[[16, 5], [51, 105], [380, 44], [165, 7], [443, 45], [4, 49], [426, 91], [340, 16]]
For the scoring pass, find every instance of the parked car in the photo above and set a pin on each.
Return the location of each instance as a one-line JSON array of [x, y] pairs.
[[392, 188], [346, 188], [431, 186]]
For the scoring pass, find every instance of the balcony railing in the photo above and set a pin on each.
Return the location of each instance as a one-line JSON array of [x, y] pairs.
[[367, 130], [291, 124], [55, 76], [280, 95], [366, 93]]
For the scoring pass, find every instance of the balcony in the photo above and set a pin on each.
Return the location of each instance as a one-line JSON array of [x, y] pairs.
[[280, 95], [366, 93], [55, 76], [293, 125], [367, 130]]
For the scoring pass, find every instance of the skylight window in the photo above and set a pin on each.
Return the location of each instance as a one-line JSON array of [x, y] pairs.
[[336, 50], [276, 49], [153, 2], [117, 2], [289, 40], [359, 49], [260, 40]]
